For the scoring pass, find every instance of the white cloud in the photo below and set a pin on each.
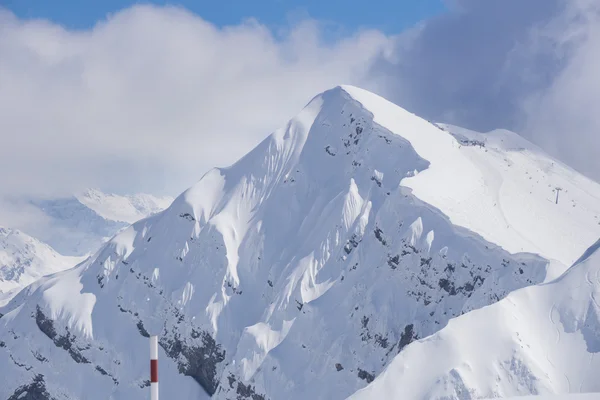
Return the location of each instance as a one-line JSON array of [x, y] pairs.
[[153, 97], [563, 117], [529, 66]]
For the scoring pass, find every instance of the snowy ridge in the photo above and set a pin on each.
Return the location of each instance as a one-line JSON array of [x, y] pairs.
[[541, 340], [299, 272], [24, 259]]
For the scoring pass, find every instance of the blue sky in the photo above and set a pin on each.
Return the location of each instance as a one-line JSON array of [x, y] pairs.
[[390, 16]]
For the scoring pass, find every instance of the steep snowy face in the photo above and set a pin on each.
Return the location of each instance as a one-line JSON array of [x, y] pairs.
[[299, 272], [539, 340], [24, 259], [81, 224]]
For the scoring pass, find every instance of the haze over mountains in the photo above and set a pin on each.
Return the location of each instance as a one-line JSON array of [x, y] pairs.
[[81, 223], [358, 251], [78, 226]]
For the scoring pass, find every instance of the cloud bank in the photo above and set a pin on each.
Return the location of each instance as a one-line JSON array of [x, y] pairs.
[[153, 97], [529, 66]]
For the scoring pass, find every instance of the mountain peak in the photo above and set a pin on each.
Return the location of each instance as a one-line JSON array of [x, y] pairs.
[[481, 185]]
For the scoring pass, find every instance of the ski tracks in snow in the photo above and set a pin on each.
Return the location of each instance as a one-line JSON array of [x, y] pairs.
[[592, 286], [554, 323]]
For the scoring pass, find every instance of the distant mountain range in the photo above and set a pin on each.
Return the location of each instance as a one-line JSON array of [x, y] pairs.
[[79, 226], [81, 223]]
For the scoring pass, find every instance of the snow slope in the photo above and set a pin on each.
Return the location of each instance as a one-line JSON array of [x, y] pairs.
[[81, 224], [538, 340], [298, 272], [24, 259]]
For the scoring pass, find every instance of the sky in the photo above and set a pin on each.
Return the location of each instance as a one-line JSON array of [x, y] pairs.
[[147, 97], [389, 16]]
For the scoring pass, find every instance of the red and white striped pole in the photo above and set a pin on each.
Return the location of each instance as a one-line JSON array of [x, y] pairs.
[[153, 367]]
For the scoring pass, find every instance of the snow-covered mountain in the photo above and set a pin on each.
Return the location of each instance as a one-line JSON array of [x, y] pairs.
[[541, 339], [24, 259], [303, 270], [82, 223]]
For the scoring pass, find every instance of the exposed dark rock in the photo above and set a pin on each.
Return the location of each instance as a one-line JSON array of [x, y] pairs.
[[339, 367], [450, 268], [466, 289], [247, 392], [329, 151], [101, 370], [365, 321], [381, 341], [388, 141], [66, 342], [142, 329], [379, 235], [365, 376], [270, 283], [20, 365], [468, 142], [407, 337], [198, 362], [37, 356], [36, 390], [447, 286], [231, 379], [351, 244], [394, 261], [426, 262], [187, 216]]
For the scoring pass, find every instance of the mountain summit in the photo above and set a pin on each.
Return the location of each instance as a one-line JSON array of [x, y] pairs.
[[302, 270]]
